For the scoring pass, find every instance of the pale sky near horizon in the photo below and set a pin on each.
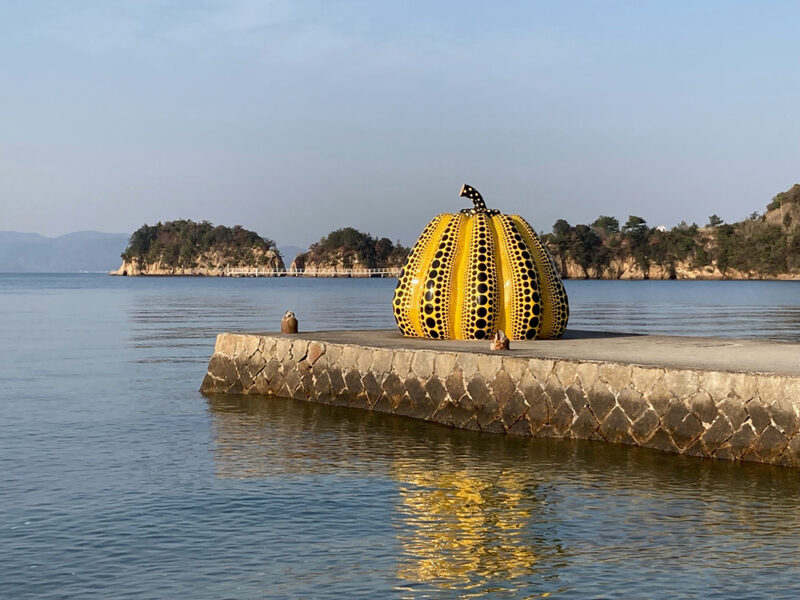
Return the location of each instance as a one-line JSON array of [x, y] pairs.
[[294, 118]]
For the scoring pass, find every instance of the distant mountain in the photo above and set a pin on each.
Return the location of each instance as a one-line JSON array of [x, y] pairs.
[[290, 252], [70, 253]]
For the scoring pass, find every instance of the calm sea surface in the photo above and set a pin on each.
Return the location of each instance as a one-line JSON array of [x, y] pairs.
[[119, 480]]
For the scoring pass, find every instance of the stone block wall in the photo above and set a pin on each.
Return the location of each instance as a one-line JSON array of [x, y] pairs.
[[726, 415]]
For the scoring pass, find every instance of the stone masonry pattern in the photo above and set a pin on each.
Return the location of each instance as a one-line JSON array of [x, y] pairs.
[[726, 415]]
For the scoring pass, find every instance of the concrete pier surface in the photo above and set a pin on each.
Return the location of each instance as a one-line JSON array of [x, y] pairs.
[[706, 397]]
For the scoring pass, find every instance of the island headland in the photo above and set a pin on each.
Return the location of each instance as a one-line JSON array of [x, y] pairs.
[[762, 246]]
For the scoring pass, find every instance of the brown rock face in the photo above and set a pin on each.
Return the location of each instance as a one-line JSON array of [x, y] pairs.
[[210, 264], [629, 269]]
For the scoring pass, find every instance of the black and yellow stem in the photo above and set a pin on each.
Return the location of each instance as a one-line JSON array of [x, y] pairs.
[[479, 206]]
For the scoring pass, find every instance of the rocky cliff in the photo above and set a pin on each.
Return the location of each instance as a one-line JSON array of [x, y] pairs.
[[341, 264], [628, 268], [209, 264]]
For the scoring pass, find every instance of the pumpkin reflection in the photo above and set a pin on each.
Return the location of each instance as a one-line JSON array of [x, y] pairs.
[[465, 525], [480, 513], [464, 515]]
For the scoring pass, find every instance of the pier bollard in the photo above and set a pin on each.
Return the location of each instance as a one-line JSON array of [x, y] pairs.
[[289, 323]]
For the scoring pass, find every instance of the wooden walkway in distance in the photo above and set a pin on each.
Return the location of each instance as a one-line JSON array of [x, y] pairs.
[[256, 272]]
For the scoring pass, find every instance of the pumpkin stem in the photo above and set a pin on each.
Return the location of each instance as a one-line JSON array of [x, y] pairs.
[[467, 191]]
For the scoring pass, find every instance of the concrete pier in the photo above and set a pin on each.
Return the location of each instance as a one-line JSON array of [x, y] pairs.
[[705, 397]]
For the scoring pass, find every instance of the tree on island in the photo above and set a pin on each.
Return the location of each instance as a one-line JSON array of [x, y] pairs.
[[606, 224]]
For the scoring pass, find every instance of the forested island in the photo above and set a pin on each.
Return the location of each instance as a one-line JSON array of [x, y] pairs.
[[348, 248], [187, 248]]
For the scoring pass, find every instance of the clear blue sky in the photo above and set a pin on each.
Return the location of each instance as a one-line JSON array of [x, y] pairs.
[[294, 118]]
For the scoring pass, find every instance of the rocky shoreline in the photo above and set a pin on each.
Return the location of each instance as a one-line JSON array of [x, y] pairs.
[[209, 265], [629, 269]]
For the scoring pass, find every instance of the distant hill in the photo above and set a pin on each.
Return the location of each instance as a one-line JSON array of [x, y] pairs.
[[70, 253]]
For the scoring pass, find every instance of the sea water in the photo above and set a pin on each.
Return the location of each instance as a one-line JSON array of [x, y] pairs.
[[119, 480]]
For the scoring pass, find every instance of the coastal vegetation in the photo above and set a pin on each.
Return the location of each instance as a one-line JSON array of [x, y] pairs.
[[187, 247], [762, 245]]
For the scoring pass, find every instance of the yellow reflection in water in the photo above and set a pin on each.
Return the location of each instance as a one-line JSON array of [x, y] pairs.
[[464, 526], [485, 513], [467, 516]]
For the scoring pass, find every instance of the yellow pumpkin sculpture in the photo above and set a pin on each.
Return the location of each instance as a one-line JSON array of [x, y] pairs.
[[475, 272]]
